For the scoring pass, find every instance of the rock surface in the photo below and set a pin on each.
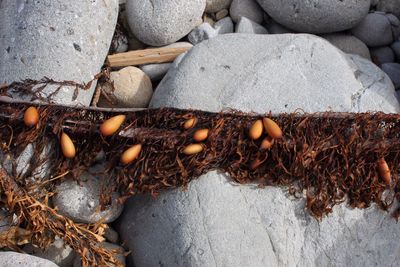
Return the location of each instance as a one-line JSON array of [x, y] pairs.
[[348, 44], [81, 202], [23, 260], [245, 25], [317, 16], [162, 22], [46, 38], [133, 89], [374, 30], [224, 26], [203, 32], [217, 223], [246, 8], [389, 6], [213, 6], [393, 71], [382, 55], [396, 49]]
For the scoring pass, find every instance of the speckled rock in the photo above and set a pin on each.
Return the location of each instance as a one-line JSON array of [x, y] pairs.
[[81, 202], [246, 25], [316, 16], [246, 8], [213, 6], [348, 44], [133, 89], [382, 55], [217, 223], [389, 6], [376, 29], [23, 260], [174, 19], [47, 38], [393, 71], [59, 253]]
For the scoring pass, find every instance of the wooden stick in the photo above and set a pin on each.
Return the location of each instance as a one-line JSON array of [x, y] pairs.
[[146, 56]]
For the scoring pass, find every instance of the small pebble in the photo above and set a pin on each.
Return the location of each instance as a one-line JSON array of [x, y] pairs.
[[224, 25], [245, 25], [221, 14], [246, 8], [201, 33], [382, 55]]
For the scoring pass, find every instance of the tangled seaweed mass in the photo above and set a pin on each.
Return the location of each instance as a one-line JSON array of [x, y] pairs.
[[329, 158]]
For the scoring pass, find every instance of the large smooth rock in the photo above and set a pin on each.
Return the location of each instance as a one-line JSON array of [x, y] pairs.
[[162, 22], [23, 260], [80, 202], [348, 44], [317, 16], [62, 40], [218, 223]]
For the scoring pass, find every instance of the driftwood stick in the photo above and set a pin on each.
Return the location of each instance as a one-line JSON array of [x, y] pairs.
[[146, 56]]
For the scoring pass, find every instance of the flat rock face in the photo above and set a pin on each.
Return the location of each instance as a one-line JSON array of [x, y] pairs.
[[218, 223], [23, 260], [162, 22], [46, 38], [316, 16]]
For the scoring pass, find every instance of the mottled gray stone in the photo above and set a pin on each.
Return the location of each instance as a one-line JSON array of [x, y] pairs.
[[112, 247], [218, 223], [390, 6], [162, 22], [348, 44], [246, 25], [316, 16], [246, 8], [62, 40], [393, 71], [224, 26], [213, 6], [80, 202], [382, 55], [14, 259], [374, 30], [201, 33], [396, 49], [59, 253]]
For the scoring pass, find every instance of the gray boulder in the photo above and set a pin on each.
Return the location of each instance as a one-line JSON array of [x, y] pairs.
[[245, 25], [213, 6], [382, 55], [80, 202], [317, 16], [217, 223], [23, 260], [376, 29], [62, 40], [348, 44], [162, 22], [389, 6], [393, 71], [246, 8]]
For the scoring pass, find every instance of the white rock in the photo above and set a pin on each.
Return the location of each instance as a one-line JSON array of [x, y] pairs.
[[213, 6], [316, 16], [62, 40], [245, 25], [133, 89], [224, 26], [162, 22], [374, 30], [382, 55], [246, 8], [217, 223], [348, 44], [81, 202], [23, 260]]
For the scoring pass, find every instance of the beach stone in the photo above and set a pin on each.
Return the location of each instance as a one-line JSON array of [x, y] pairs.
[[374, 30], [213, 6], [111, 235], [224, 26], [174, 20], [245, 25], [203, 32], [80, 202], [348, 44], [317, 16], [389, 6], [58, 252], [246, 8], [119, 257], [382, 55], [396, 49], [221, 14], [275, 28], [133, 89], [156, 71], [215, 222], [393, 71], [46, 39], [23, 260], [208, 19]]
